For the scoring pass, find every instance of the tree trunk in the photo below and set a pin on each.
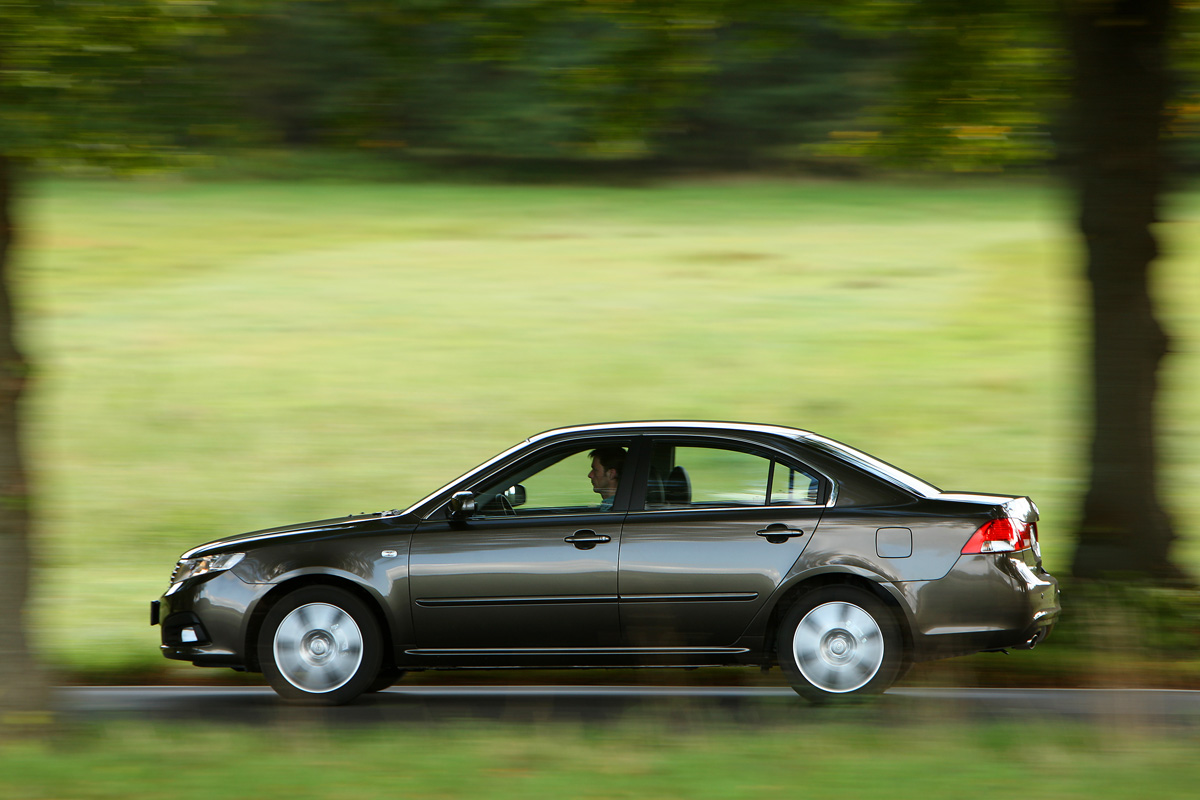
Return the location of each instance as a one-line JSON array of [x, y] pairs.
[[22, 685], [1121, 84]]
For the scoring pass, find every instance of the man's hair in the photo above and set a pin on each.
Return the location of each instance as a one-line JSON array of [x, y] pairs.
[[610, 458]]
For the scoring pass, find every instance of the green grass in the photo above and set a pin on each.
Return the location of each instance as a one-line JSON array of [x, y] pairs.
[[647, 759], [219, 357]]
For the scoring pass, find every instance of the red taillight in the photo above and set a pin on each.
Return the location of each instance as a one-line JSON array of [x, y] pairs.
[[1000, 536]]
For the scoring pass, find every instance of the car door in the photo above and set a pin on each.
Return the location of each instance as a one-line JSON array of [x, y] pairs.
[[533, 568], [718, 528]]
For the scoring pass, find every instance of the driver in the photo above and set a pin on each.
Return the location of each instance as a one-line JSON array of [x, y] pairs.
[[607, 463]]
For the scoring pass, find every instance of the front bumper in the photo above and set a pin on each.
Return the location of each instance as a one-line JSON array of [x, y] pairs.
[[207, 620]]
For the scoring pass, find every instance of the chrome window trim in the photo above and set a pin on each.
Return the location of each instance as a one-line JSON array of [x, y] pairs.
[[706, 509], [643, 511], [607, 513], [655, 429]]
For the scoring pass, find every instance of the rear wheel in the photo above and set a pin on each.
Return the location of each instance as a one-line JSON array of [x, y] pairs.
[[320, 645], [838, 643]]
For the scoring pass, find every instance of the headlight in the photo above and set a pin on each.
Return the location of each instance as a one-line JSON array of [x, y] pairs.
[[192, 567]]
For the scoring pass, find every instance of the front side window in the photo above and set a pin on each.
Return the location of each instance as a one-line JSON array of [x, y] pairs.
[[700, 476], [579, 480]]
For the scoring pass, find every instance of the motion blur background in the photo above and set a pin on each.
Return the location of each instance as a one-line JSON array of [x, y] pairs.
[[292, 260]]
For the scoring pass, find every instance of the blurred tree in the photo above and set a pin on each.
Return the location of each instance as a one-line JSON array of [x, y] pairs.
[[718, 84], [983, 81], [978, 86], [21, 685], [1121, 88], [780, 85], [297, 71], [73, 78]]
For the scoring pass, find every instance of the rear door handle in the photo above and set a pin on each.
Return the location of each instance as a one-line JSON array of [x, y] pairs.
[[586, 540], [778, 533]]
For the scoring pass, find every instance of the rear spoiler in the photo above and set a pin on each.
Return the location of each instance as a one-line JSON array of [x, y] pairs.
[[1003, 506], [1019, 508]]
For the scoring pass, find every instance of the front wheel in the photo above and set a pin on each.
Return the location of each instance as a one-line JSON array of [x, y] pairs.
[[839, 643], [320, 645]]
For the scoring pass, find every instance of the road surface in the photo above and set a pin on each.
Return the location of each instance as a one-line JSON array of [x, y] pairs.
[[694, 707]]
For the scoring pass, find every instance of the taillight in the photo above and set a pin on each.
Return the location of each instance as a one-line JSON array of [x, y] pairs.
[[1000, 536]]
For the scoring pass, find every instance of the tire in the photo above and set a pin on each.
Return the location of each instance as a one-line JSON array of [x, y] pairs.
[[320, 645], [386, 678], [839, 643]]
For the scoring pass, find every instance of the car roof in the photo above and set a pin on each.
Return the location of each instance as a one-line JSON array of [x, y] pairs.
[[843, 452], [691, 426]]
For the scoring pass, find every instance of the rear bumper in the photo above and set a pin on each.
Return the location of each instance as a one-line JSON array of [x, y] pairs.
[[987, 602]]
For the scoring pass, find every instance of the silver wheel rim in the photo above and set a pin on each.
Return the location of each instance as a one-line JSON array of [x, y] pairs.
[[318, 648], [838, 647]]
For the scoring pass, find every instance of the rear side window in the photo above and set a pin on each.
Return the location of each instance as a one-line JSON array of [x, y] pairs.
[[703, 476], [793, 487]]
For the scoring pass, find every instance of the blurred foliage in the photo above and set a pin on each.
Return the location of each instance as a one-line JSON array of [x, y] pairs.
[[700, 82], [1110, 635], [711, 83], [1155, 622], [708, 83], [82, 83], [978, 83], [704, 83]]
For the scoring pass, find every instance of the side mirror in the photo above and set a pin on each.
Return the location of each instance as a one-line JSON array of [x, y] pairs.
[[462, 504], [515, 495]]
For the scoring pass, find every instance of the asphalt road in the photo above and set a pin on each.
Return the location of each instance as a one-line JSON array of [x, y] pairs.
[[691, 707]]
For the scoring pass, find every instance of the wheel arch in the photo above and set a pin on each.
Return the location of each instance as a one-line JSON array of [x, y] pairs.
[[264, 606], [792, 594]]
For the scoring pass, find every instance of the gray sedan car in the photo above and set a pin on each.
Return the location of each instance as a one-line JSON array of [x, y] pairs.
[[628, 544]]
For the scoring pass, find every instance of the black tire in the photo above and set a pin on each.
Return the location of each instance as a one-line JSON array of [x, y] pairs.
[[320, 645], [903, 671], [839, 643], [386, 678]]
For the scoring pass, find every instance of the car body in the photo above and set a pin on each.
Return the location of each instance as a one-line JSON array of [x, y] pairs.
[[723, 544]]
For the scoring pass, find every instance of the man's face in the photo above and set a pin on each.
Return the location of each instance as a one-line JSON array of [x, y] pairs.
[[604, 481]]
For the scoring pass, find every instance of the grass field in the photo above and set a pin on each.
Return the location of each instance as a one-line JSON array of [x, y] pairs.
[[646, 759], [219, 357]]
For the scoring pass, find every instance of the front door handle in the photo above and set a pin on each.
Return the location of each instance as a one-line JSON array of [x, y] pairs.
[[586, 540], [778, 533]]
